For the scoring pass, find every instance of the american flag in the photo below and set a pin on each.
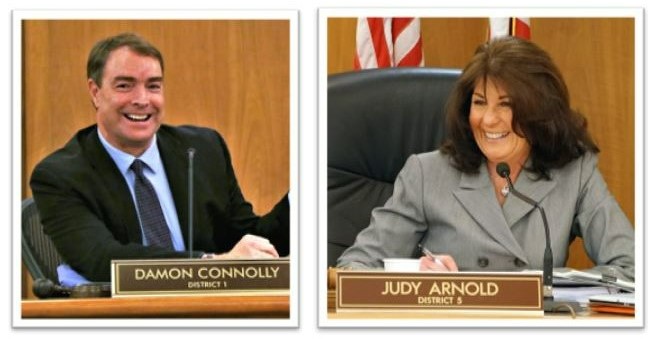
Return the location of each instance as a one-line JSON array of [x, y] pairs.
[[388, 42], [519, 27]]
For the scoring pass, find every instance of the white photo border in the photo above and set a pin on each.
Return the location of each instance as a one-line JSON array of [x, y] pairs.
[[482, 12], [294, 196]]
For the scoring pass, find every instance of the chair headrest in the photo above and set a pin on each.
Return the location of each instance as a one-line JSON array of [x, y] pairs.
[[379, 117]]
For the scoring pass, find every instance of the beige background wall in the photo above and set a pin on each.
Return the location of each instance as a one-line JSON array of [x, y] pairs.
[[232, 76], [595, 55], [229, 75]]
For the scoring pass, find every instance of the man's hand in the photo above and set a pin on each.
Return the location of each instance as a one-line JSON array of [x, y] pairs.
[[249, 247]]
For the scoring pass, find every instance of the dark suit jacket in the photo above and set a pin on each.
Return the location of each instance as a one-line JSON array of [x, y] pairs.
[[88, 211]]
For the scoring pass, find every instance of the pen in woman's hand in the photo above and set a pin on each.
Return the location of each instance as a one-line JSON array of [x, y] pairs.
[[432, 256]]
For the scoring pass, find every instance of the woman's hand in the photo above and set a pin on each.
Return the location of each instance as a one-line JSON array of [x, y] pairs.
[[438, 262]]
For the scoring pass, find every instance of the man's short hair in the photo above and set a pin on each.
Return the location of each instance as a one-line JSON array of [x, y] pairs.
[[102, 49]]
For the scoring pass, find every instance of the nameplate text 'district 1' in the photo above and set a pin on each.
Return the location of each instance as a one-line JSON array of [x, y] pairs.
[[198, 276]]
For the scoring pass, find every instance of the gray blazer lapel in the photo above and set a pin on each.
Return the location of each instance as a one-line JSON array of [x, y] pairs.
[[514, 208], [476, 195]]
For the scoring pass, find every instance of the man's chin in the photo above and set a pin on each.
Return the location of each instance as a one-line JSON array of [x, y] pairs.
[[140, 132], [136, 144]]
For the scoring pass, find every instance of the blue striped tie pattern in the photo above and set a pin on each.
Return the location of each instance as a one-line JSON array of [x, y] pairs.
[[155, 228]]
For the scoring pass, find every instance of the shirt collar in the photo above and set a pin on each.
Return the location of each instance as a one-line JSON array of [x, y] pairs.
[[123, 160]]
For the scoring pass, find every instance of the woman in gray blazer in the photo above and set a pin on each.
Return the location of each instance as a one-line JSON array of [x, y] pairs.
[[510, 105]]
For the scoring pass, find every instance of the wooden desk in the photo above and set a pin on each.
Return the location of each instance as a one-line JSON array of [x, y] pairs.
[[378, 314], [160, 307], [364, 315]]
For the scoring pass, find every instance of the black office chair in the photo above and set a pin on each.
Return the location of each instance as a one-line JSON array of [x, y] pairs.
[[38, 251], [376, 119]]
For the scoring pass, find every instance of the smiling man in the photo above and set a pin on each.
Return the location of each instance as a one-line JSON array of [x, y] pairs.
[[129, 99], [118, 189]]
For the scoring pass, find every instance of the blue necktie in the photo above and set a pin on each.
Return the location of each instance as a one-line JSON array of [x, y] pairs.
[[155, 228]]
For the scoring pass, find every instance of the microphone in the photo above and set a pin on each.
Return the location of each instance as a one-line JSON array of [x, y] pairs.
[[45, 288], [190, 169], [504, 171]]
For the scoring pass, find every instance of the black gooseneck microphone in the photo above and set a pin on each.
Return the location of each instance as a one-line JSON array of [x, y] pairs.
[[190, 169], [504, 171]]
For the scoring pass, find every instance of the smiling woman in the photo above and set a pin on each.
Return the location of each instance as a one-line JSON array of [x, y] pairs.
[[491, 121], [509, 105], [596, 56]]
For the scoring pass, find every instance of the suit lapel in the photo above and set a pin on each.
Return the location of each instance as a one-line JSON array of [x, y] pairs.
[[476, 195], [114, 183], [174, 158], [514, 208]]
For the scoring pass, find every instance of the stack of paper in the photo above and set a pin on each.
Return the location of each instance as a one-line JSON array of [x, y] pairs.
[[571, 277], [622, 303]]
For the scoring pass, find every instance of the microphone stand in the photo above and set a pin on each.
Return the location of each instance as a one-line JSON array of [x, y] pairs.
[[547, 265], [190, 226]]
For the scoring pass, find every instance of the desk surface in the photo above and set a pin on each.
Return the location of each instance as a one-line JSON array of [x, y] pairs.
[[467, 315], [160, 307], [332, 314]]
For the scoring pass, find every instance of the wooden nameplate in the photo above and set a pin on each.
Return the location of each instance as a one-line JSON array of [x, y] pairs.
[[199, 277], [506, 292]]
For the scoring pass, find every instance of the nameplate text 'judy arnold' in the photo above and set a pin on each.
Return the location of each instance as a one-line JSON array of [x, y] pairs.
[[371, 290]]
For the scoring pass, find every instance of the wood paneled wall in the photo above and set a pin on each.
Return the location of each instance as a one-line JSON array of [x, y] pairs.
[[595, 55], [232, 76]]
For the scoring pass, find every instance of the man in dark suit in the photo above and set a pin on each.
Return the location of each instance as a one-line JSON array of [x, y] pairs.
[[87, 192]]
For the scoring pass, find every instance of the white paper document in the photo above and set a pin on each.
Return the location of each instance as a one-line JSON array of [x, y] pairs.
[[571, 277]]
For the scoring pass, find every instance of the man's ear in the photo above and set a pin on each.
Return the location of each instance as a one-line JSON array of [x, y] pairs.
[[93, 88]]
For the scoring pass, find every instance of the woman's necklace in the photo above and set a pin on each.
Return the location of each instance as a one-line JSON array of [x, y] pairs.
[[505, 190]]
